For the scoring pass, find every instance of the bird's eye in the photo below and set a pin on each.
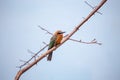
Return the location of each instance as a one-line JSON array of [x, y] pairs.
[[59, 33]]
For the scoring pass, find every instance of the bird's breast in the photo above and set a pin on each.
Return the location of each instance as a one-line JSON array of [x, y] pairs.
[[59, 38]]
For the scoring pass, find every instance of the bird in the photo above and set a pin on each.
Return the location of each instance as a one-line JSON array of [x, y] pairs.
[[54, 41]]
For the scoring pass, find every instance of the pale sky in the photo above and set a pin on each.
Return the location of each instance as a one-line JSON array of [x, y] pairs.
[[19, 31]]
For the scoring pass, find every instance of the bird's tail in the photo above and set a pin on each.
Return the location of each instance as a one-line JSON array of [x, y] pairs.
[[49, 57]]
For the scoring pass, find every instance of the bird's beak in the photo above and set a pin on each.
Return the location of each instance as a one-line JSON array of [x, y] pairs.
[[61, 32]]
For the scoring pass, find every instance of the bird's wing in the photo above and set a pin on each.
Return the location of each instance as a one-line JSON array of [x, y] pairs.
[[52, 42]]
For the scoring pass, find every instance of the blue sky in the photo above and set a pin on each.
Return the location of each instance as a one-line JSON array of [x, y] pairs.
[[19, 31]]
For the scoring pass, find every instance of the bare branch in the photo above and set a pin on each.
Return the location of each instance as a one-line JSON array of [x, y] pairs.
[[91, 42], [33, 57], [20, 72], [44, 30], [92, 7]]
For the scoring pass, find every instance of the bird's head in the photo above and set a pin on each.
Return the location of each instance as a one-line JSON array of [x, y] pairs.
[[58, 32]]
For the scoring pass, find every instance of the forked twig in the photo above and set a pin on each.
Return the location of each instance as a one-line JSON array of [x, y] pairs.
[[33, 57], [92, 7], [91, 42]]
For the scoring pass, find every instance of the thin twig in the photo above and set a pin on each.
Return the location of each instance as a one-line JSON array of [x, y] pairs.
[[92, 7], [91, 42], [45, 30], [34, 56]]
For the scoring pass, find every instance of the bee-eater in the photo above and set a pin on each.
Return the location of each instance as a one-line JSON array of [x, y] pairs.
[[55, 40]]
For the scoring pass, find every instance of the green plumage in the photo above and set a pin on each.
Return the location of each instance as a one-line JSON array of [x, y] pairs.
[[51, 44]]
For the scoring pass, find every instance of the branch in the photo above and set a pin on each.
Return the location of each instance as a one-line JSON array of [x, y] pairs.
[[20, 72], [86, 19], [33, 57], [91, 42], [45, 30], [92, 7]]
